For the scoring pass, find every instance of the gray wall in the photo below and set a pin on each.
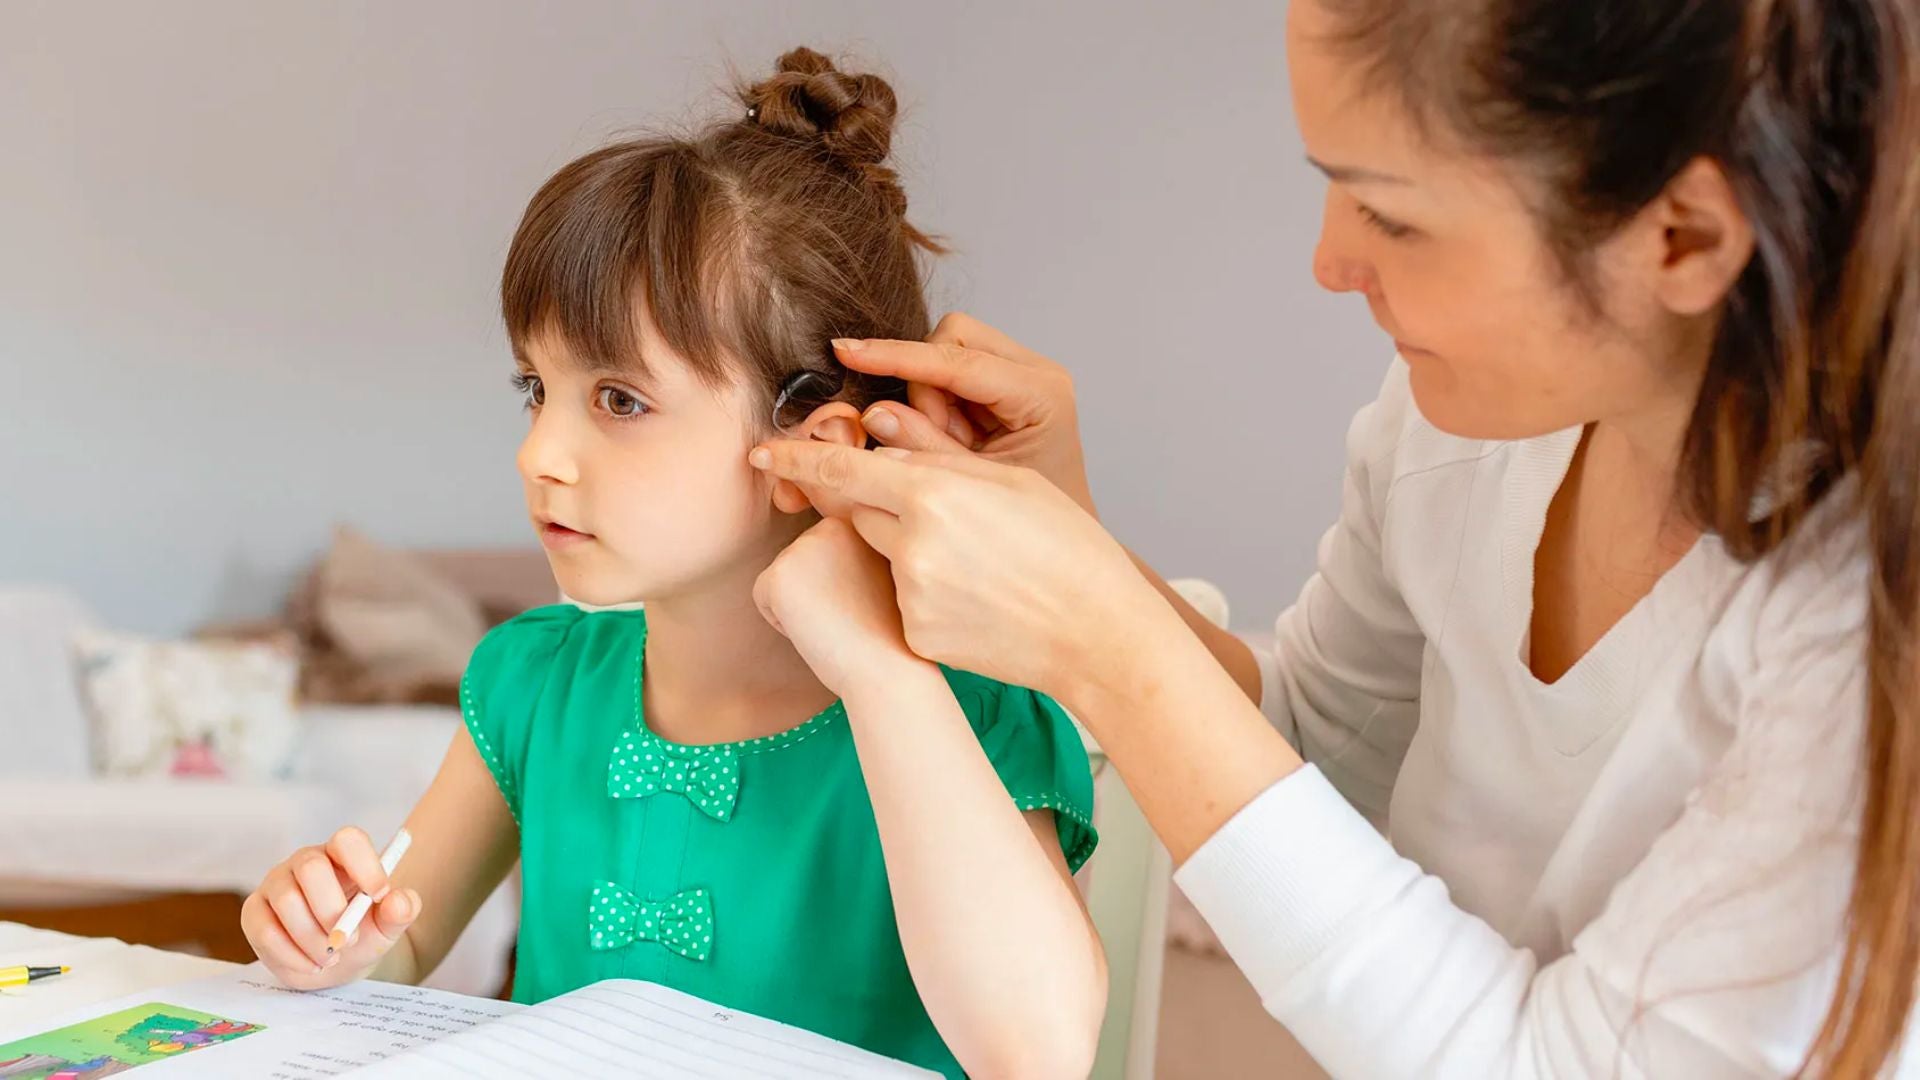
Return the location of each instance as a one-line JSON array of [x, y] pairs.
[[248, 253]]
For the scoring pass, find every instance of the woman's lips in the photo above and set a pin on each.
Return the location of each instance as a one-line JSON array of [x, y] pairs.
[[555, 535]]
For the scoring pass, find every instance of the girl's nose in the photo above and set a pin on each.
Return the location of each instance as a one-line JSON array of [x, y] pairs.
[[545, 454]]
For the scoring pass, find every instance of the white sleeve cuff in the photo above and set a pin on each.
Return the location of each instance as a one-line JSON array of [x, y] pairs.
[[1294, 870]]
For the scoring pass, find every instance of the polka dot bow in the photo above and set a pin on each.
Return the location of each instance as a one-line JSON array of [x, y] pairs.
[[709, 776], [682, 923]]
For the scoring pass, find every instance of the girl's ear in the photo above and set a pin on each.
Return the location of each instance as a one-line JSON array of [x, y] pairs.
[[836, 421]]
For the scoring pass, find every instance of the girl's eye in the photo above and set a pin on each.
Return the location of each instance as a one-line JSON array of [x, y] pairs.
[[619, 403], [531, 388], [1387, 227]]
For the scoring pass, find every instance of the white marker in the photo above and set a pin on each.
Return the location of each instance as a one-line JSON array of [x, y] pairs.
[[361, 904]]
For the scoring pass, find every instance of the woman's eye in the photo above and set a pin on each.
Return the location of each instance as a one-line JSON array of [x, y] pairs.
[[1387, 227], [531, 388], [619, 403]]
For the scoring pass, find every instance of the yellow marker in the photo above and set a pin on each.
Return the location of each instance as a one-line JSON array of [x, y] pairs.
[[22, 975]]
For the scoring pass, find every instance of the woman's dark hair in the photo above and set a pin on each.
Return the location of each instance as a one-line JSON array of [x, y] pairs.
[[1812, 107], [749, 245]]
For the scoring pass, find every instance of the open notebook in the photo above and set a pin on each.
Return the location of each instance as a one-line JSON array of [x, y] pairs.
[[245, 1025]]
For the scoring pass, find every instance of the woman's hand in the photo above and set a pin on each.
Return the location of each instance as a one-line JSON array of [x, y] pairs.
[[830, 594], [997, 571], [287, 918], [972, 388]]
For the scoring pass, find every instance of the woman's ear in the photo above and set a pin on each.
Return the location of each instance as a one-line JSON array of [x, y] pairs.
[[1707, 238], [836, 421]]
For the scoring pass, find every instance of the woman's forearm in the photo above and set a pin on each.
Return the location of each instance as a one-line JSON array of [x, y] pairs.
[[999, 946], [1180, 728], [1232, 653]]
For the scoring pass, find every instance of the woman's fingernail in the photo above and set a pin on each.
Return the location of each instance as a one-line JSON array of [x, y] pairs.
[[382, 894], [847, 344], [760, 458], [891, 451], [882, 422]]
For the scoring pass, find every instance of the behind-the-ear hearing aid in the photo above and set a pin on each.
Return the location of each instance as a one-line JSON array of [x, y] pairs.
[[802, 392]]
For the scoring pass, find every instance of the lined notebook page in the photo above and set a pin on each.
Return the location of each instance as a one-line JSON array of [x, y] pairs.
[[626, 1028]]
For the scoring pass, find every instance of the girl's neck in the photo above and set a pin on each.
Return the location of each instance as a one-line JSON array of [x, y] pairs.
[[716, 671]]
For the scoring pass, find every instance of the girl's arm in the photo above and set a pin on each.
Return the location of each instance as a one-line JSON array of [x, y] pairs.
[[998, 940], [475, 842], [1000, 947], [464, 842]]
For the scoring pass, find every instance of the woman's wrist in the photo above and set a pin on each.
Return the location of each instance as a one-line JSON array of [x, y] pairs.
[[1116, 655]]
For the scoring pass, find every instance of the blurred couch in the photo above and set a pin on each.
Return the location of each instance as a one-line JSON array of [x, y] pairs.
[[166, 861]]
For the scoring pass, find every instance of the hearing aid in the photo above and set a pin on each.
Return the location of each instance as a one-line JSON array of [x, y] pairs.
[[802, 392]]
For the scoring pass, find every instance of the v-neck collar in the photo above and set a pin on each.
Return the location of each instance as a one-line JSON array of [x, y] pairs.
[[1606, 674]]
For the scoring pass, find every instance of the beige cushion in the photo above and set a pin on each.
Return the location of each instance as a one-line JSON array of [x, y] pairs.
[[504, 581], [401, 623]]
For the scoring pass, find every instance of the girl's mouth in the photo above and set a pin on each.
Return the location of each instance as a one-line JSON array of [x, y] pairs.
[[554, 536]]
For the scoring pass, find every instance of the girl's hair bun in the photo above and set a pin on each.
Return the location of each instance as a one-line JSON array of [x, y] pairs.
[[851, 115]]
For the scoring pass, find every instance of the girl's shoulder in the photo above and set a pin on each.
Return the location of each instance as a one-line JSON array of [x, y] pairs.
[[505, 687], [555, 627], [555, 636], [1039, 753]]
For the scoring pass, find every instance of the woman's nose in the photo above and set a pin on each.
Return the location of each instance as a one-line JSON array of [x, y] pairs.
[[1339, 273], [545, 454], [1338, 264]]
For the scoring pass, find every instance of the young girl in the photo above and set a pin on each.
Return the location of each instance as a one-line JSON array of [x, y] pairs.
[[847, 839]]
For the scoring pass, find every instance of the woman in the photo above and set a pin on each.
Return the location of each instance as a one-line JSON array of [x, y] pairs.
[[1615, 635]]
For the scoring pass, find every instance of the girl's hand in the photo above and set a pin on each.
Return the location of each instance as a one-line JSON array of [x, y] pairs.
[[830, 594], [287, 918], [972, 388], [997, 571]]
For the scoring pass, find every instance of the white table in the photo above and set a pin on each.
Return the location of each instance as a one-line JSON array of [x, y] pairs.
[[103, 969]]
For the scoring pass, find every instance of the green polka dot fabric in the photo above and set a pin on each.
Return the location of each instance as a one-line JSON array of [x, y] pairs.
[[684, 924], [746, 873], [645, 764]]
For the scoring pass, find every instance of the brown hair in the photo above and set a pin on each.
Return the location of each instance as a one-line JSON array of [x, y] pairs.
[[750, 244], [1813, 108]]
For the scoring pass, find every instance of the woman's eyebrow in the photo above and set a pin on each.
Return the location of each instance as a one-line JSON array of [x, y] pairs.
[[1354, 174]]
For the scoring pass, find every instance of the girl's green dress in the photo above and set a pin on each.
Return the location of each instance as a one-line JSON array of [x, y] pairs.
[[746, 873]]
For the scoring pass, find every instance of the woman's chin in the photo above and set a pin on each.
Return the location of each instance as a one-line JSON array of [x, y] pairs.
[[1467, 413], [1442, 405]]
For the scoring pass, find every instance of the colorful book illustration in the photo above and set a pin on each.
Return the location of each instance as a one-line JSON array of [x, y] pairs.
[[111, 1044]]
